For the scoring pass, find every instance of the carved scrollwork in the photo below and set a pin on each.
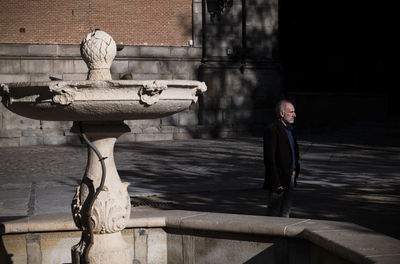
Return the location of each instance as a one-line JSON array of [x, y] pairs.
[[109, 215], [150, 93], [201, 88], [63, 94], [64, 98]]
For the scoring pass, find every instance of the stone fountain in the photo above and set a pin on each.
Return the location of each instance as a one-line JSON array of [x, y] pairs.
[[98, 106]]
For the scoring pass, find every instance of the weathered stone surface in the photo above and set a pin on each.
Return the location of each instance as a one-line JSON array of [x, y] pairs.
[[11, 133], [179, 51], [183, 135], [9, 142], [146, 67], [74, 140], [143, 123], [36, 66], [213, 102], [32, 133], [153, 137], [69, 50], [197, 13], [43, 77], [9, 78], [168, 129], [127, 137], [13, 49], [241, 102], [195, 52], [155, 51], [140, 250], [75, 77], [174, 248], [129, 51], [119, 67], [80, 67], [63, 66], [181, 67], [13, 121], [10, 66], [53, 132], [34, 254], [172, 120], [151, 130], [212, 117], [43, 50], [57, 125], [17, 245], [142, 76], [53, 246], [55, 140], [157, 247], [188, 118], [31, 141]]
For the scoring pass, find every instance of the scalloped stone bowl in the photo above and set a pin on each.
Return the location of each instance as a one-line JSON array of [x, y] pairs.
[[100, 100]]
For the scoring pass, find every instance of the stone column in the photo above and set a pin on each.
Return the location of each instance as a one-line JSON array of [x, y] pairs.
[[103, 217]]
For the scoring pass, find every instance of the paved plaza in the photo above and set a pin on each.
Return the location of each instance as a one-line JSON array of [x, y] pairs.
[[347, 175]]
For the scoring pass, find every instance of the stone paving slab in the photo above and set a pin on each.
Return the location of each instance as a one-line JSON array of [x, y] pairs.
[[341, 180]]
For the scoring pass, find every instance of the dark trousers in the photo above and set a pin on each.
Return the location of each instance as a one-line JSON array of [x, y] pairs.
[[280, 203]]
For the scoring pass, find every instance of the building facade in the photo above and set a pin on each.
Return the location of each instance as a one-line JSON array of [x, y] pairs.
[[232, 45]]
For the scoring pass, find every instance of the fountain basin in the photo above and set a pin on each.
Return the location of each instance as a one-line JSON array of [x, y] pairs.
[[100, 100], [173, 236]]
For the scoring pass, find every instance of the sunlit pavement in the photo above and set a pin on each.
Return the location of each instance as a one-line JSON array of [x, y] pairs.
[[347, 175]]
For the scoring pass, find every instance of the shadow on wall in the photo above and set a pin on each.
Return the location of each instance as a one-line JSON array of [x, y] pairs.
[[235, 102], [240, 67]]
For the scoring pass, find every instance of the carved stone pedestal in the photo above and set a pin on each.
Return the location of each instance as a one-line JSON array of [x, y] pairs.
[[101, 212], [101, 206]]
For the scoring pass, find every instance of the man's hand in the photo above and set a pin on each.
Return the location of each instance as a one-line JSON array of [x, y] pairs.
[[279, 189]]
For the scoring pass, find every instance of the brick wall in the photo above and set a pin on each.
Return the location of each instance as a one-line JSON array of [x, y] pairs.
[[139, 22]]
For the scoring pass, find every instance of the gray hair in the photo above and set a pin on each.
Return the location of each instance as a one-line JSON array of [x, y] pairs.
[[281, 106]]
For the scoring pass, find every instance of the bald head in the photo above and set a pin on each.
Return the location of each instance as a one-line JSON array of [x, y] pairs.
[[285, 111]]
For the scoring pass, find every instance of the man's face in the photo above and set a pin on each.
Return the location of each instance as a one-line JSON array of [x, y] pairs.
[[288, 114]]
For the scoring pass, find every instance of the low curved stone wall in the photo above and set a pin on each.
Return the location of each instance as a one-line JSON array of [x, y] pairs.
[[201, 237]]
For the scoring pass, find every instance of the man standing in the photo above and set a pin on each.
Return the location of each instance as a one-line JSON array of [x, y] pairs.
[[281, 159]]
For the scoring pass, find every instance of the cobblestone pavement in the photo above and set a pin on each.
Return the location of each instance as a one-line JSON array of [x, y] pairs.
[[348, 175]]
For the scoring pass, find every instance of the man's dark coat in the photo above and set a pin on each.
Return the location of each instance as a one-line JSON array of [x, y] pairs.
[[278, 157]]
